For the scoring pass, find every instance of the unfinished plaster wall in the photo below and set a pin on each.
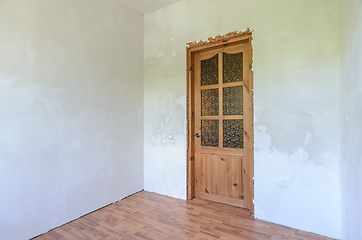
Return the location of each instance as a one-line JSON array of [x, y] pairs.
[[351, 118], [297, 120], [71, 110]]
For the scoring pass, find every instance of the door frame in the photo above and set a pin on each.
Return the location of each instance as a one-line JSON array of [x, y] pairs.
[[193, 48]]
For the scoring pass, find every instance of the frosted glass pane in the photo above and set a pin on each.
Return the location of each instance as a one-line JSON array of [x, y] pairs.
[[210, 102], [233, 100], [233, 133], [233, 67], [210, 71], [210, 133]]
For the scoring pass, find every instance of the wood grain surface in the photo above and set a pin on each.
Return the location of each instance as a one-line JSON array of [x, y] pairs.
[[148, 215]]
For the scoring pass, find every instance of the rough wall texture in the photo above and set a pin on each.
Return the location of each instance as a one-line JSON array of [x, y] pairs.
[[351, 118], [71, 110], [297, 117]]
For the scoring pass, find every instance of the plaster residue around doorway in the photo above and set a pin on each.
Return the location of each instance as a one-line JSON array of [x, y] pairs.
[[165, 143], [169, 126], [294, 163]]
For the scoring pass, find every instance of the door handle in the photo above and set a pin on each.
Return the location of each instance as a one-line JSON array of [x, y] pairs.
[[197, 135]]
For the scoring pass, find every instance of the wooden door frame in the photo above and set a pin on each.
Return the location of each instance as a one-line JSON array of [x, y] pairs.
[[193, 48]]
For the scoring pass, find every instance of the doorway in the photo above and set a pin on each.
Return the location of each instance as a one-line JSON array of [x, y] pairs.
[[220, 120]]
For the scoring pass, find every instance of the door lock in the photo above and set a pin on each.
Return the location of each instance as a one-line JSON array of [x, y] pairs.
[[197, 135]]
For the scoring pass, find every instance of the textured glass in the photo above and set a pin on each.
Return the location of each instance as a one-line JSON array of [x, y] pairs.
[[210, 71], [233, 67], [233, 100], [210, 102], [233, 133], [210, 133]]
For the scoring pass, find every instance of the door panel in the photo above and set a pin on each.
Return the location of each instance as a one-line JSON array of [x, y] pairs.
[[222, 180], [223, 124], [222, 175]]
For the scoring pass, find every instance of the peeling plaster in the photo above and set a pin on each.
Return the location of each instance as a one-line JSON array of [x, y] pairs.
[[160, 54], [308, 138], [165, 133]]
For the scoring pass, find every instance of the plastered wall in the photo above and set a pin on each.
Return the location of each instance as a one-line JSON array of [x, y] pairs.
[[297, 116], [351, 118], [71, 110]]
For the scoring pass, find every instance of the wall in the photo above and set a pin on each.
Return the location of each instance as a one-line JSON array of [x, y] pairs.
[[351, 118], [297, 116], [71, 110]]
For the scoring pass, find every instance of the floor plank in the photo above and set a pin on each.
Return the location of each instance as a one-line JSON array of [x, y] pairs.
[[147, 215]]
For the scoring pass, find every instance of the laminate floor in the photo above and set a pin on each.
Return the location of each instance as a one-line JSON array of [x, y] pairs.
[[148, 215]]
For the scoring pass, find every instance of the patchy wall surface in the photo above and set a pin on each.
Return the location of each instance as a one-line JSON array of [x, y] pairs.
[[297, 117], [351, 118], [71, 110]]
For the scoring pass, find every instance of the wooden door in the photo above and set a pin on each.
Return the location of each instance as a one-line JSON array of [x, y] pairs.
[[223, 125]]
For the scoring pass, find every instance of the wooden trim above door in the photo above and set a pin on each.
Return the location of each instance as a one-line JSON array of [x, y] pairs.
[[227, 40]]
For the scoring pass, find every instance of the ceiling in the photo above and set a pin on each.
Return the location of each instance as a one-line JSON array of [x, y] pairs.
[[148, 6]]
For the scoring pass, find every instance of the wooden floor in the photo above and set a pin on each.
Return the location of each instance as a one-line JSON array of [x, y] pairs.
[[148, 215]]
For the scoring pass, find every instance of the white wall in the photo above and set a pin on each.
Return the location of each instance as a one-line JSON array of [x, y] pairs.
[[71, 110], [297, 117], [351, 118]]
